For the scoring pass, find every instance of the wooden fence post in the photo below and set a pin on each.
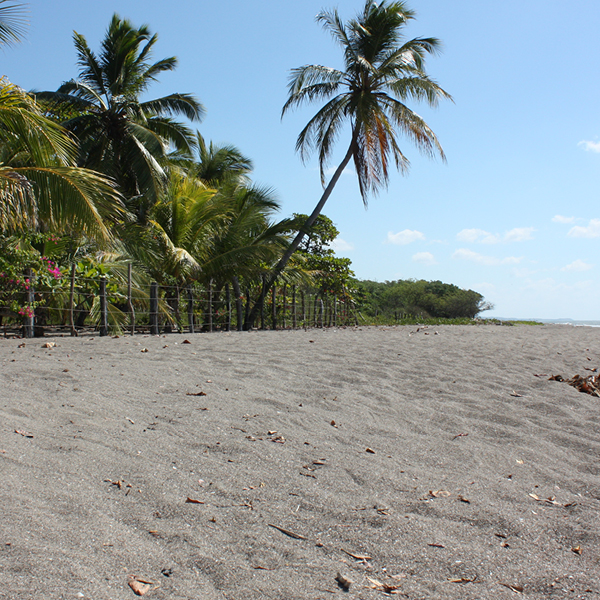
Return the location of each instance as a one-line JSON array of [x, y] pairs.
[[274, 307], [130, 301], [303, 308], [190, 309], [72, 302], [284, 309], [294, 315], [335, 310], [29, 319], [154, 308], [103, 308], [210, 306], [228, 300]]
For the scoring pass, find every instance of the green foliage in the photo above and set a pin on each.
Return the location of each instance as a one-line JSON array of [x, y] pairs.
[[331, 274], [423, 299]]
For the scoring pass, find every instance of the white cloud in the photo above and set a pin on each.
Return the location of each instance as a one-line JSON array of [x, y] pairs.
[[340, 245], [563, 220], [578, 266], [524, 272], [475, 235], [590, 146], [425, 258], [489, 261], [404, 237], [591, 231], [518, 234]]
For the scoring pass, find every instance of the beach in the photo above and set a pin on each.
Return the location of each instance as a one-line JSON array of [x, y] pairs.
[[410, 462]]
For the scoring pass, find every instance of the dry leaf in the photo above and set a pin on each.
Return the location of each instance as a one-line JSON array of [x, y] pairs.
[[462, 579], [436, 545], [357, 556], [439, 494], [196, 394], [296, 536], [343, 582], [516, 395], [370, 451], [383, 587], [515, 588], [192, 501], [463, 499], [577, 550], [186, 342], [140, 586], [24, 433], [144, 350], [48, 345]]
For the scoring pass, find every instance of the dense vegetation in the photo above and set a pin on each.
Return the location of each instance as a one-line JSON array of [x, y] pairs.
[[395, 300], [100, 187]]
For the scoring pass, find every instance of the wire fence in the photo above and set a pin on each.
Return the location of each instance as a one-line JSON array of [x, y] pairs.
[[109, 305]]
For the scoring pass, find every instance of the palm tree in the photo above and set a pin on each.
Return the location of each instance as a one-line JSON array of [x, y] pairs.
[[40, 188], [382, 71], [118, 133], [218, 165], [12, 22]]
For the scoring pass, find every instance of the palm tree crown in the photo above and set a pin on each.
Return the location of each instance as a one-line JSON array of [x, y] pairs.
[[382, 71], [118, 133]]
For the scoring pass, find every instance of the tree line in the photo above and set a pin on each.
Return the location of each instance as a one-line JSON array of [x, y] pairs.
[[96, 181]]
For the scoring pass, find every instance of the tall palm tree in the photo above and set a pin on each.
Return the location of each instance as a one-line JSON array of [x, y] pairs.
[[119, 134], [382, 71], [12, 22], [40, 188]]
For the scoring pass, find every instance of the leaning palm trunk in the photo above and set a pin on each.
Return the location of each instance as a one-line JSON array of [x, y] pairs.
[[382, 71], [272, 278]]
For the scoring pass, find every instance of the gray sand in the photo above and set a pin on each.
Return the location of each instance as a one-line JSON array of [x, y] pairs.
[[436, 457]]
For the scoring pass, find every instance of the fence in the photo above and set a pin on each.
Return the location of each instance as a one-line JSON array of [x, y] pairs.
[[109, 305]]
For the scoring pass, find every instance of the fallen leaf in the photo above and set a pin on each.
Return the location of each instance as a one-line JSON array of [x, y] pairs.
[[516, 395], [515, 588], [460, 435], [48, 345], [196, 394], [296, 536], [192, 501], [140, 586], [186, 342], [462, 579], [144, 350], [463, 499], [577, 550], [357, 556], [383, 587], [24, 433], [333, 423], [343, 582], [436, 545], [439, 494], [370, 450]]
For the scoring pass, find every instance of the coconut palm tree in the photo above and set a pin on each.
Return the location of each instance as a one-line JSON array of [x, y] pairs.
[[119, 134], [382, 72], [12, 22], [217, 165], [40, 188]]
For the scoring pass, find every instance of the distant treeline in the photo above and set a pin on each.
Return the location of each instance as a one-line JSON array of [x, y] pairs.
[[409, 297]]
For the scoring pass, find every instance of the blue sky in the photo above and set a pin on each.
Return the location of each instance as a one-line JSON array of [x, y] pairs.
[[514, 213]]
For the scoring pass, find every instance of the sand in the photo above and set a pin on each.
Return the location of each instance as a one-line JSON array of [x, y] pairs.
[[417, 463]]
